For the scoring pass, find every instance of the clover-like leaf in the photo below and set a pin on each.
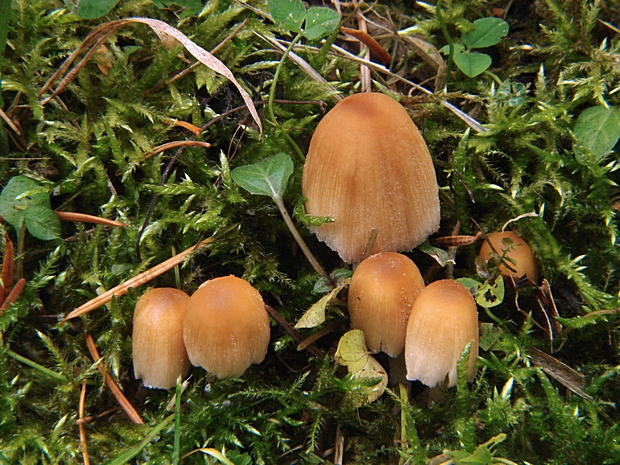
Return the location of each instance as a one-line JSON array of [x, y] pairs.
[[288, 14], [598, 129], [320, 22], [472, 63], [486, 32], [267, 177]]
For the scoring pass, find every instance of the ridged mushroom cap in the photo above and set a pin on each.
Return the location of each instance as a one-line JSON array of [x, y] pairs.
[[381, 295], [442, 321], [368, 167], [521, 253], [226, 326], [159, 355]]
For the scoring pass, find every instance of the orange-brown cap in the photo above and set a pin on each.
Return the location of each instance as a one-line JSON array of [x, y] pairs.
[[443, 321], [368, 167], [381, 294], [226, 326], [159, 355], [524, 260]]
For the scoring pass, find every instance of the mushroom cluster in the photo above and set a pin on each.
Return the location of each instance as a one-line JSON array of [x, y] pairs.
[[368, 168], [223, 327]]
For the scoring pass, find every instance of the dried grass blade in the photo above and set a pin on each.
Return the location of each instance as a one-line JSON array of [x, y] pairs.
[[81, 412], [136, 281], [164, 30], [116, 391], [178, 143], [84, 218]]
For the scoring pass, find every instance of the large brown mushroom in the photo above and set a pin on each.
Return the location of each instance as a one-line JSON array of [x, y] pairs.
[[368, 167], [226, 326], [442, 322], [159, 355], [381, 294]]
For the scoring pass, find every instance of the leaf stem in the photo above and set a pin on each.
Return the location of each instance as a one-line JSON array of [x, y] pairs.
[[272, 96], [302, 245], [448, 37], [36, 366]]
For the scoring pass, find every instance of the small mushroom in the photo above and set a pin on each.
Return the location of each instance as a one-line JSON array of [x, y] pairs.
[[381, 294], [159, 355], [442, 322], [226, 326], [368, 167], [520, 255]]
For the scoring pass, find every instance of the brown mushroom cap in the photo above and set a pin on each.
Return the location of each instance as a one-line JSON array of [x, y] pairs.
[[368, 167], [521, 253], [381, 294], [159, 355], [226, 326], [442, 321]]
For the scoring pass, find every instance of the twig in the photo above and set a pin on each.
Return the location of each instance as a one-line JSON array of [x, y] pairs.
[[116, 391], [85, 218], [288, 328], [81, 411]]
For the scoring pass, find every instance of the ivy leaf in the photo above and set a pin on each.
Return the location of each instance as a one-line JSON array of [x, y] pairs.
[[598, 129], [472, 63], [320, 22], [91, 9], [267, 177], [18, 195], [486, 32], [288, 14], [42, 222]]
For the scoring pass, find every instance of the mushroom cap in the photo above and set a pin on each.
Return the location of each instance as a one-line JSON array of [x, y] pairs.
[[226, 326], [442, 321], [159, 355], [521, 253], [368, 167], [381, 294]]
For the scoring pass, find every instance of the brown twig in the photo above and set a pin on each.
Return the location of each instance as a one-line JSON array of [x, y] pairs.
[[7, 267], [175, 144], [116, 391], [136, 281], [371, 43], [13, 295], [288, 328], [85, 218], [81, 412]]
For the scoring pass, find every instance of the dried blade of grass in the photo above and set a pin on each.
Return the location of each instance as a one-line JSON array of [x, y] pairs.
[[85, 218], [164, 30], [136, 281], [116, 391], [178, 143], [82, 427]]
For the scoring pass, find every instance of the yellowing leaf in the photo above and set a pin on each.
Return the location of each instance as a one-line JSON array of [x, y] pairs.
[[315, 315]]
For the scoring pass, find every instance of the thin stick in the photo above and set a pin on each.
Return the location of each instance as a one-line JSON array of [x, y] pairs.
[[136, 281], [293, 332], [175, 144], [85, 218], [81, 412], [7, 267], [116, 391]]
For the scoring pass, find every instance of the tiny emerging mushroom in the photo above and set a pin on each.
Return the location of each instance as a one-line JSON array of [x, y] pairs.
[[226, 326], [442, 322], [368, 167], [159, 355], [381, 294], [519, 254]]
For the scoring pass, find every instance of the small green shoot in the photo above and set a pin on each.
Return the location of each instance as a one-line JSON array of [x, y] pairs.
[[270, 177], [598, 129], [486, 32], [24, 201], [483, 455]]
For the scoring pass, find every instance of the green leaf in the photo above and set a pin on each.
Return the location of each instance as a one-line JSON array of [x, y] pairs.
[[91, 9], [267, 177], [315, 315], [320, 22], [18, 195], [440, 255], [472, 63], [486, 32], [491, 294], [42, 222], [598, 129], [288, 14]]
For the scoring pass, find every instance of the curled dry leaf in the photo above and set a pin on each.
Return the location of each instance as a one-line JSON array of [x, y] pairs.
[[163, 30]]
